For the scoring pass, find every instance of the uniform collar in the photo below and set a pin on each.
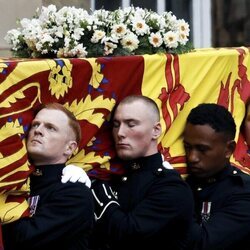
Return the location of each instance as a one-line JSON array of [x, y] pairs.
[[51, 172], [226, 171], [145, 163]]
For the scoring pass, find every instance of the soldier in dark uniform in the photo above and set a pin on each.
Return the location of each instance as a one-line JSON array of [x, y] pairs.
[[221, 191], [150, 207], [62, 214]]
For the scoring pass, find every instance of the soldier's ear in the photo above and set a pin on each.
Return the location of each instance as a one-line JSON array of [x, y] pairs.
[[70, 148], [230, 147], [156, 130]]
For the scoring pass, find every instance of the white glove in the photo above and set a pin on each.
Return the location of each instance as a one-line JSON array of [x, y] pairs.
[[73, 174], [166, 164]]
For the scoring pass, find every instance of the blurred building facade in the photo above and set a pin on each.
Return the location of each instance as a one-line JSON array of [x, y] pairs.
[[231, 23], [213, 23]]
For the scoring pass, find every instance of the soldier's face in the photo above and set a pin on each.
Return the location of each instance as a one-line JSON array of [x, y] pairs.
[[207, 151], [134, 131], [50, 139]]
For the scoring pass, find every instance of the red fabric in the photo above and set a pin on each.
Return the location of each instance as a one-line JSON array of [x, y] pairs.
[[1, 239]]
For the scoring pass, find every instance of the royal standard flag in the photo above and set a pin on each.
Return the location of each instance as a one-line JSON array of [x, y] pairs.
[[91, 88]]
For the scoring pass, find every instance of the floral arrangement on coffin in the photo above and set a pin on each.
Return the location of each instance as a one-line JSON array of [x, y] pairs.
[[73, 32]]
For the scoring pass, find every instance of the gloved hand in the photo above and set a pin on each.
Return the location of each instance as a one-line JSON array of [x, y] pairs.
[[166, 164], [73, 174], [104, 198]]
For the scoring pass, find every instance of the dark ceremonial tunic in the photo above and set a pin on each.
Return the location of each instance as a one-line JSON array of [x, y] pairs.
[[222, 211], [63, 216], [155, 209]]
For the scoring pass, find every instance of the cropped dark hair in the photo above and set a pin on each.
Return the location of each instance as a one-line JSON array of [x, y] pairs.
[[214, 115]]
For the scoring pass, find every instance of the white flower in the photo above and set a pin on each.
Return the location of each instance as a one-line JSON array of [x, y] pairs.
[[139, 26], [44, 51], [12, 37], [78, 33], [59, 31], [46, 38], [79, 51], [47, 12], [170, 39], [119, 30], [183, 27], [155, 39], [130, 42], [183, 39], [109, 48], [111, 38], [67, 41], [97, 36], [139, 12]]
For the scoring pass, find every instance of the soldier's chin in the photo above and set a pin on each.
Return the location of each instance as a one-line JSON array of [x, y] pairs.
[[35, 156], [194, 171], [125, 156], [198, 174]]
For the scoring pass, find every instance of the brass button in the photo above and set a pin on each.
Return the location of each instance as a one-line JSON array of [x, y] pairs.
[[38, 172], [124, 178]]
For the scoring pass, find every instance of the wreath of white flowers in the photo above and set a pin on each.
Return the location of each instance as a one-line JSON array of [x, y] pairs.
[[73, 32]]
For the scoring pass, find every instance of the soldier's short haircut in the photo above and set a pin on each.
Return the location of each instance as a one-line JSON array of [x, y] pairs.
[[146, 100], [214, 115]]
